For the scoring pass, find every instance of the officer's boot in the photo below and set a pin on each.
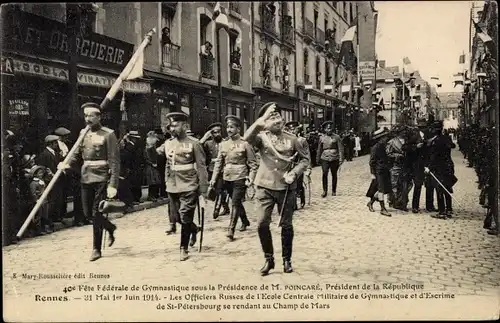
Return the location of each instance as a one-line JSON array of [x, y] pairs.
[[172, 229], [244, 220], [266, 242], [232, 225], [194, 231], [370, 204], [286, 247], [383, 210], [185, 234], [302, 197]]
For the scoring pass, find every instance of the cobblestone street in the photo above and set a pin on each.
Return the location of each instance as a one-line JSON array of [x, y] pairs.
[[337, 240]]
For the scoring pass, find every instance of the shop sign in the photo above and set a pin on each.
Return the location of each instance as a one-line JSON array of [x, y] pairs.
[[15, 66], [19, 107], [26, 33], [367, 70]]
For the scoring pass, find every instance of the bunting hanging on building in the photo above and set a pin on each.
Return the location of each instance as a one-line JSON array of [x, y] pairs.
[[123, 109], [485, 38], [347, 53], [217, 11]]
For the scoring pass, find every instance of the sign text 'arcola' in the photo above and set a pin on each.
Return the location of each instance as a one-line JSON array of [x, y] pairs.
[[16, 66], [26, 33]]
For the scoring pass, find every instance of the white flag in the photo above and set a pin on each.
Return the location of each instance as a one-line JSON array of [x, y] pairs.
[[137, 69]]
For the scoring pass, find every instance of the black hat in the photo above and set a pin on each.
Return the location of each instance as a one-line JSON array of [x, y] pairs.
[[233, 119], [379, 133], [397, 129], [292, 124], [266, 106], [177, 116], [91, 105], [326, 123], [213, 125], [421, 123], [437, 124]]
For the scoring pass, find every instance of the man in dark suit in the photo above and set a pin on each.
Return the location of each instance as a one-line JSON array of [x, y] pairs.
[[50, 157]]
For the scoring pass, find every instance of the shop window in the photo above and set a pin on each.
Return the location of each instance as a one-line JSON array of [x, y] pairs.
[[185, 104]]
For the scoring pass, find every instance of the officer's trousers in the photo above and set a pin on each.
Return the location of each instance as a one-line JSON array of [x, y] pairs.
[[237, 189], [301, 190], [220, 190], [333, 167], [92, 195], [182, 207], [266, 199]]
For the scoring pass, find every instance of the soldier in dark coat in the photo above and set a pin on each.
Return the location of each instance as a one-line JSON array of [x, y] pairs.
[[276, 180], [135, 173], [441, 166], [379, 169], [211, 142], [100, 159], [296, 128]]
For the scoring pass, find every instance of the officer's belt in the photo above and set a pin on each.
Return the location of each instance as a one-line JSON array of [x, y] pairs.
[[214, 159], [95, 162], [182, 167], [235, 166]]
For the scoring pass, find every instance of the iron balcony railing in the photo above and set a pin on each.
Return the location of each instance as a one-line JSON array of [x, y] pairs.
[[235, 76], [288, 33], [207, 66], [171, 56]]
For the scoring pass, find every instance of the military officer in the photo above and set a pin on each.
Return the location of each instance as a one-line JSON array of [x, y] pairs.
[[186, 179], [238, 164], [296, 128], [276, 180], [330, 154], [99, 174], [211, 142]]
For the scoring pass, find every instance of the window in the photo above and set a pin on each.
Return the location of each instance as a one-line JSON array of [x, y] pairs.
[[334, 4], [318, 72], [303, 10], [315, 23], [326, 21], [167, 17], [345, 9], [328, 75], [351, 13], [204, 22], [306, 66]]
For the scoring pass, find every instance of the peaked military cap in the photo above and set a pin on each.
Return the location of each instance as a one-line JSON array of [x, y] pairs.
[[233, 119], [326, 123], [61, 131], [266, 106], [177, 116], [91, 105], [213, 125], [292, 124], [51, 138]]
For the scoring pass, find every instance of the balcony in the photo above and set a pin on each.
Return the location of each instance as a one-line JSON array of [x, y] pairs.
[[170, 56], [207, 66], [235, 75], [268, 23], [288, 33], [320, 39], [308, 30]]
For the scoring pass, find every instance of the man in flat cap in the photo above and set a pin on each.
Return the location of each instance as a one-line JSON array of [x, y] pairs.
[[211, 143], [186, 179], [296, 128], [282, 160], [100, 171], [65, 179], [50, 157], [237, 163], [330, 154]]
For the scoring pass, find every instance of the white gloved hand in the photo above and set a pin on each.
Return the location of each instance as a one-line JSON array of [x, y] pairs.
[[289, 178], [373, 176], [307, 179], [111, 192], [426, 170], [63, 166]]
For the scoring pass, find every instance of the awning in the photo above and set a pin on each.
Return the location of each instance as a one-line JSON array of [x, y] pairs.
[[389, 80], [367, 82], [173, 79]]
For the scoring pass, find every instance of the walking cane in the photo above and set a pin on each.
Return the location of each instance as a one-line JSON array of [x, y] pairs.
[[201, 222], [444, 188], [309, 189], [124, 75], [283, 206]]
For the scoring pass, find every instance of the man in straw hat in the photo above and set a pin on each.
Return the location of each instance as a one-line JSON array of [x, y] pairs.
[[283, 160], [379, 169], [100, 173], [186, 179], [330, 154], [237, 162]]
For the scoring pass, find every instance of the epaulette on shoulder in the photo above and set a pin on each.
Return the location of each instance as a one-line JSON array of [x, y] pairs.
[[108, 130]]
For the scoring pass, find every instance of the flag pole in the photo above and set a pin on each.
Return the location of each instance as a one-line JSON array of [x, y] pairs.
[[109, 97]]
